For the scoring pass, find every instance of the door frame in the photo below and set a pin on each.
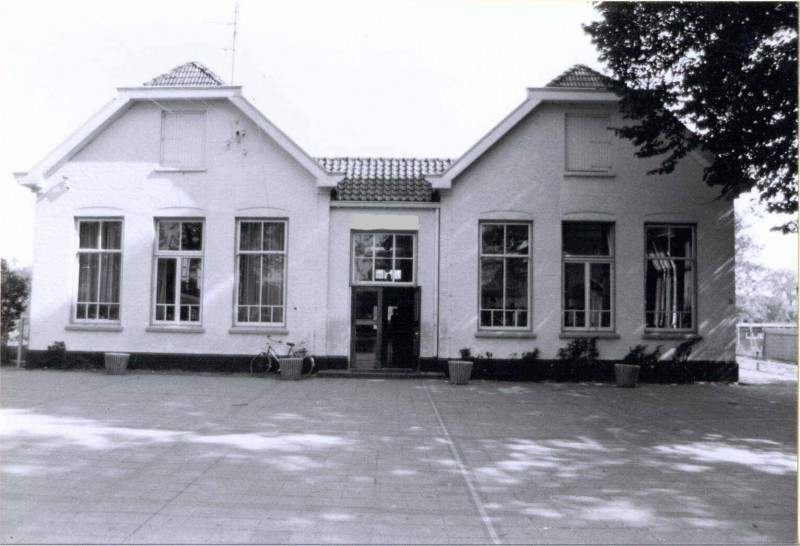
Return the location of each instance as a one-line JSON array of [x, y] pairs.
[[355, 322], [379, 322]]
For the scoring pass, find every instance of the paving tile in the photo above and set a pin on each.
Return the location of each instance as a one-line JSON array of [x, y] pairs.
[[369, 463]]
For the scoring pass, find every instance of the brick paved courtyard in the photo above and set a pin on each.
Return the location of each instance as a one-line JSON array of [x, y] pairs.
[[160, 458]]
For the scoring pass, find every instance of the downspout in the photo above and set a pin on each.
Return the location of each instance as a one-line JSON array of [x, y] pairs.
[[436, 287]]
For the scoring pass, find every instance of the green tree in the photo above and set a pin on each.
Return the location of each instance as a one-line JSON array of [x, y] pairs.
[[14, 289], [762, 294], [728, 70]]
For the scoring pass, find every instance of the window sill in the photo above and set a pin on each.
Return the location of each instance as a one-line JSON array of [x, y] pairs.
[[181, 170], [671, 335], [86, 327], [259, 331], [588, 174], [588, 334], [490, 334], [176, 329]]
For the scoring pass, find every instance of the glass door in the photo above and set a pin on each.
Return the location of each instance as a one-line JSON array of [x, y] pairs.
[[366, 328]]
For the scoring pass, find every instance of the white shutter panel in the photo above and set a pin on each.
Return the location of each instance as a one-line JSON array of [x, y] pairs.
[[183, 140], [587, 143], [599, 144]]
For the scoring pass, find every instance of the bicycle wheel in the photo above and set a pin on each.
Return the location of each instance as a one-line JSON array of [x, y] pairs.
[[308, 366], [259, 365]]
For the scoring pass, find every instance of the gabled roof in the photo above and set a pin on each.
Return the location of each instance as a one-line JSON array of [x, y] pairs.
[[190, 81], [384, 178], [579, 84], [579, 76], [191, 74]]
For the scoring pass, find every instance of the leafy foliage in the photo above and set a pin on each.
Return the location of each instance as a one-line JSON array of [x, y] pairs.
[[530, 356], [684, 350], [57, 357], [762, 294], [15, 288], [580, 351], [728, 70], [638, 356]]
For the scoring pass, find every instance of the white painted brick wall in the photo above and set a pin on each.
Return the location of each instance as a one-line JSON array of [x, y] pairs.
[[117, 175], [522, 178]]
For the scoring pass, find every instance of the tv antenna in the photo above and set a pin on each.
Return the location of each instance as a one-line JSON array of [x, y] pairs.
[[235, 26], [235, 29]]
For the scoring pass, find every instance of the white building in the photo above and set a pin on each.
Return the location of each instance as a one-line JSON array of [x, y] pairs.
[[180, 225]]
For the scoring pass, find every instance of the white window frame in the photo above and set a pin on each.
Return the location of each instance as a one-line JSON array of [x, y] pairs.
[[178, 256], [587, 261], [239, 252], [200, 160], [504, 256], [607, 170], [692, 259], [394, 257], [98, 251]]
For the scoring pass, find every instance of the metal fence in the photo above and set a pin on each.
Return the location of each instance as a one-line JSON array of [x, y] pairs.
[[12, 353], [771, 341]]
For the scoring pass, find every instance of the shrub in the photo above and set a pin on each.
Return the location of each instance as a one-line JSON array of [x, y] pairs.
[[578, 361], [678, 370], [639, 356], [530, 356], [582, 350], [684, 351], [57, 357]]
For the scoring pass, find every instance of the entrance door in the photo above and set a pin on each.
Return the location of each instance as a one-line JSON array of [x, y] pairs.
[[366, 325], [385, 327]]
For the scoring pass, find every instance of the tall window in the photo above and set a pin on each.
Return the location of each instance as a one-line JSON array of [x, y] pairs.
[[670, 277], [262, 272], [505, 275], [383, 258], [588, 254], [179, 271], [588, 143], [99, 264], [183, 136]]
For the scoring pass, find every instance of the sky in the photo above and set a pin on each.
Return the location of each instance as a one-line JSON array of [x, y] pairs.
[[360, 78]]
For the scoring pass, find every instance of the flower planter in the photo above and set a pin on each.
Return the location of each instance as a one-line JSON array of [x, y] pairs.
[[116, 363], [626, 374], [460, 371], [291, 368]]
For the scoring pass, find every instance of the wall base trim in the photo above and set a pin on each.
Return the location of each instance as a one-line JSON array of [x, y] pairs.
[[496, 369], [176, 361]]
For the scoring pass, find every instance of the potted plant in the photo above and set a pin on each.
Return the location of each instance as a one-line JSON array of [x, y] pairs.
[[626, 373], [116, 363], [460, 370]]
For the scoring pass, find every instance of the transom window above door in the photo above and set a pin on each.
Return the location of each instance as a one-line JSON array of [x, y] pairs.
[[380, 258]]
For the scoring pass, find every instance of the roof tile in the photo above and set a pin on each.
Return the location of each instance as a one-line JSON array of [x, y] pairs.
[[580, 76], [384, 178], [191, 74]]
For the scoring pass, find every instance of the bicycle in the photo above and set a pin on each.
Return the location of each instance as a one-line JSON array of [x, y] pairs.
[[268, 360]]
